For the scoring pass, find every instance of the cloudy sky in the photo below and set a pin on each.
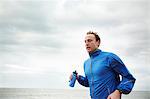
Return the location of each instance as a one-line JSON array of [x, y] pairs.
[[42, 41]]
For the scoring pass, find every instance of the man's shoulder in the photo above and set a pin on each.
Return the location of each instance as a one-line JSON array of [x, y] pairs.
[[113, 56], [87, 60], [107, 53]]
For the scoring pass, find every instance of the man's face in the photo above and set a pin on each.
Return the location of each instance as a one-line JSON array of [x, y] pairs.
[[90, 43]]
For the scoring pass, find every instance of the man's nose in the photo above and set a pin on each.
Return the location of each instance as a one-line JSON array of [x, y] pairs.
[[86, 43]]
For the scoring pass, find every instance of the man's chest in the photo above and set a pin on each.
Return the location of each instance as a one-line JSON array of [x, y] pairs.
[[97, 66]]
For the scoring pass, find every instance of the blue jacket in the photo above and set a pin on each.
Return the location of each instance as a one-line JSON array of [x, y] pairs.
[[102, 72]]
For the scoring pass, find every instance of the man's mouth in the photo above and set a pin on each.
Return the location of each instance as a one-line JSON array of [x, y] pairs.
[[87, 47]]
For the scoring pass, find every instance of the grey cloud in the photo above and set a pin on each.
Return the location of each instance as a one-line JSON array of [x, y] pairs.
[[31, 44], [30, 16], [139, 43], [21, 17], [103, 14]]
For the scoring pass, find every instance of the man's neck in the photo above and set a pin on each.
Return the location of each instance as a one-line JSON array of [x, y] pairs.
[[93, 51]]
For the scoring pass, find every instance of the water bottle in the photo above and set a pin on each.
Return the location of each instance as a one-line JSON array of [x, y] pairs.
[[73, 80]]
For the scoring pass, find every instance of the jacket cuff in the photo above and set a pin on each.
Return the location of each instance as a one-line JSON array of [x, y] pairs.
[[121, 92]]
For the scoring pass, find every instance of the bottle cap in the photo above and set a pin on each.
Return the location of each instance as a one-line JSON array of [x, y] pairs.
[[75, 72]]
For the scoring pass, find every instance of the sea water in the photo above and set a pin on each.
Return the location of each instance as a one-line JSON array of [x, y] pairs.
[[36, 93]]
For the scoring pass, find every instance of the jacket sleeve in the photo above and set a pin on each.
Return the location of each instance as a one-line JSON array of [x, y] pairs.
[[128, 80], [83, 81]]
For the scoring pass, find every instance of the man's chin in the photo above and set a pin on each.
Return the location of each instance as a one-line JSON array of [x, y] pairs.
[[89, 51]]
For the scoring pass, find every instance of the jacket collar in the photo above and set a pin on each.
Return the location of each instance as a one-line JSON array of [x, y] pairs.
[[95, 53]]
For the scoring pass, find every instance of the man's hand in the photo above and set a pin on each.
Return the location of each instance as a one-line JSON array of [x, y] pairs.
[[115, 95], [70, 77]]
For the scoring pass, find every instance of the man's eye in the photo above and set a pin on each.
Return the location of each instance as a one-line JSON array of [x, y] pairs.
[[89, 40]]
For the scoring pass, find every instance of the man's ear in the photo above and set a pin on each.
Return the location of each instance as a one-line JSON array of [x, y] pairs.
[[98, 43]]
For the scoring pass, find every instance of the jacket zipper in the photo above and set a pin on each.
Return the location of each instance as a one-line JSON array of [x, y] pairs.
[[92, 79]]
